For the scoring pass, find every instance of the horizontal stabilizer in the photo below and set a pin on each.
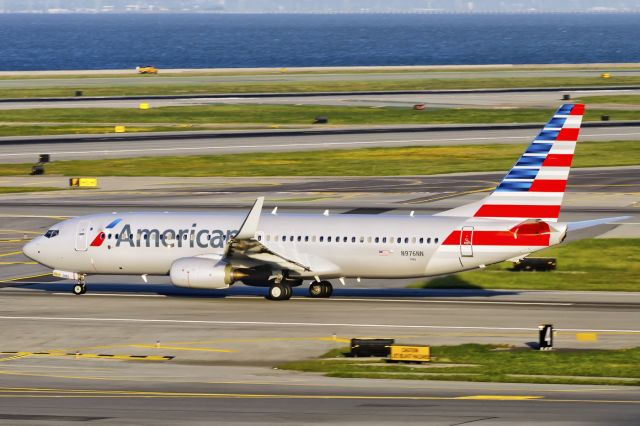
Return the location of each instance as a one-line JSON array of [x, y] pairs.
[[576, 226]]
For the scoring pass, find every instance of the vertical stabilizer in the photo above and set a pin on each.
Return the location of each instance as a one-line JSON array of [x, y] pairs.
[[535, 186]]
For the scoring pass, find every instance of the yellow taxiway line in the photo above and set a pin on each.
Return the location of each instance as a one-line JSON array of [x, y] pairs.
[[25, 278], [93, 393]]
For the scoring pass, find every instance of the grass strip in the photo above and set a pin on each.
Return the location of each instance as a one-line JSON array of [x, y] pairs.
[[18, 189], [493, 363], [80, 130], [292, 114], [323, 86], [591, 264], [354, 162], [612, 99]]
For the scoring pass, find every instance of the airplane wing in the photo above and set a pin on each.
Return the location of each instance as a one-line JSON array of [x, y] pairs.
[[244, 244]]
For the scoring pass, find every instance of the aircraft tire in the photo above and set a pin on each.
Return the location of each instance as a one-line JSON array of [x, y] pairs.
[[79, 289], [316, 290], [279, 292], [327, 289]]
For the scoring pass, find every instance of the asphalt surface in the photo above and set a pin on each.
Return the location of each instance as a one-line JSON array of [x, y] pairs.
[[28, 150], [224, 350], [469, 99], [136, 80]]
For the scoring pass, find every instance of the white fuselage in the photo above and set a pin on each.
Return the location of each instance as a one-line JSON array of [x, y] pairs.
[[367, 246]]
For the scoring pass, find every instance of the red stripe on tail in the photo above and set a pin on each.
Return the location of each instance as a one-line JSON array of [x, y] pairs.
[[558, 160], [568, 135], [578, 109], [548, 185]]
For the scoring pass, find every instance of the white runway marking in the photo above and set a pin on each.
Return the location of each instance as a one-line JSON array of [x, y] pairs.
[[298, 324], [285, 145]]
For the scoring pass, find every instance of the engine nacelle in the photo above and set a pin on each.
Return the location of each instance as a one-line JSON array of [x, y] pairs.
[[203, 273]]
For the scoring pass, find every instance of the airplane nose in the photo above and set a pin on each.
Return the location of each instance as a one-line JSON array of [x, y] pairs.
[[32, 249]]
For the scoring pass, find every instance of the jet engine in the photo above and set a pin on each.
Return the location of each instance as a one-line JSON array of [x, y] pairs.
[[204, 273]]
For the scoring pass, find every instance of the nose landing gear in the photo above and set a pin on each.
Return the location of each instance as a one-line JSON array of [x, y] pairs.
[[81, 286]]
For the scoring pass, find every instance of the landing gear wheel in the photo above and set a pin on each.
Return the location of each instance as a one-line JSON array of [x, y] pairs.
[[316, 289], [79, 289], [320, 289], [327, 289], [279, 292]]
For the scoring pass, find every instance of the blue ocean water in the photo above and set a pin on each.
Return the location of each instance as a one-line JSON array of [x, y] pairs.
[[42, 42]]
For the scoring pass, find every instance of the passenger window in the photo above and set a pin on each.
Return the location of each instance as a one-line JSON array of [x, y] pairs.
[[413, 240], [429, 240], [353, 239], [322, 239], [421, 240], [299, 238], [369, 240], [313, 239], [344, 239], [259, 237], [377, 240], [291, 238], [329, 239], [384, 239], [435, 241], [406, 240], [399, 240]]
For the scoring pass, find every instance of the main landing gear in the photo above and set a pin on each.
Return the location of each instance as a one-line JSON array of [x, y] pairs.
[[320, 289], [279, 291], [81, 286], [283, 291]]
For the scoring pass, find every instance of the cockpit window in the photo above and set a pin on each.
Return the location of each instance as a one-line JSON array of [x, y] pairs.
[[51, 233]]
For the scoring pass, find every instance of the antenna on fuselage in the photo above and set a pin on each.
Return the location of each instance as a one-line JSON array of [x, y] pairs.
[[275, 210]]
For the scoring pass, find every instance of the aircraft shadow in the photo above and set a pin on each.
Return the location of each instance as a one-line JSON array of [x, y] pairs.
[[171, 291]]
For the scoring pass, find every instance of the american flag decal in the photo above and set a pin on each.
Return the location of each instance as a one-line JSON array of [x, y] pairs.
[[385, 252]]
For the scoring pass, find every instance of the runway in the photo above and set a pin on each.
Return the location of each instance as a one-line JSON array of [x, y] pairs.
[[461, 99], [29, 149], [225, 349]]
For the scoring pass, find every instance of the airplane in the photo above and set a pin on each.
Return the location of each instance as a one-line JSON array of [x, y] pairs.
[[281, 251]]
